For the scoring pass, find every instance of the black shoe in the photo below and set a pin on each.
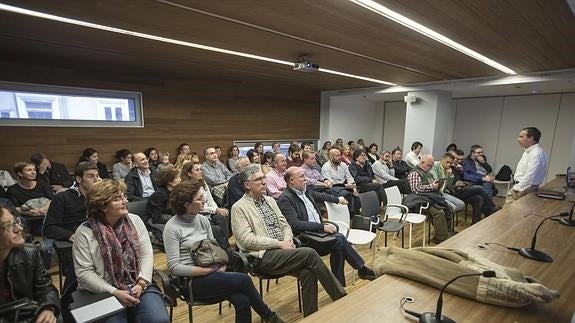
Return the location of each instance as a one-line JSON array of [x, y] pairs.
[[275, 319], [366, 273]]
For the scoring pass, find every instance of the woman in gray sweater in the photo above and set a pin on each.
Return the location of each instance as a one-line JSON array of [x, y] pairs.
[[210, 284]]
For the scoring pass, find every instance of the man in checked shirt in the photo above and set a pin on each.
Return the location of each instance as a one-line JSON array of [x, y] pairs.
[[421, 183]]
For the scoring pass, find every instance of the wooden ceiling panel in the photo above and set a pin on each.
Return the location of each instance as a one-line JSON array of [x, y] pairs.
[[528, 36]]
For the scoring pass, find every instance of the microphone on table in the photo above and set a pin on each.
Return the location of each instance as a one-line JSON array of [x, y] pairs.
[[437, 317], [568, 220], [533, 253]]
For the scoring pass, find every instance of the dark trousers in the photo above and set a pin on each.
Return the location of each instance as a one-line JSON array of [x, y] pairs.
[[401, 185], [353, 201], [342, 250], [238, 288], [307, 264], [473, 194]]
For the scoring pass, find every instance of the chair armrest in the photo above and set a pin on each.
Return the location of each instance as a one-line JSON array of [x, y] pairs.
[[423, 206], [297, 242], [334, 224], [239, 262], [170, 289], [343, 225]]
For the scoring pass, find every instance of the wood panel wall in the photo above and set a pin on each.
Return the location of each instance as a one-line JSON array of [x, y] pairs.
[[199, 112]]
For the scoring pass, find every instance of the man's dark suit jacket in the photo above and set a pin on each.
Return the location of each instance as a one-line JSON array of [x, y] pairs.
[[134, 184], [295, 212]]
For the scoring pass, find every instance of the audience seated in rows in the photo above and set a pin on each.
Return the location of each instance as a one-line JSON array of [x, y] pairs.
[[425, 189], [412, 158], [123, 164], [214, 283], [215, 174], [141, 180], [181, 160], [274, 180], [112, 253], [91, 155], [23, 274], [263, 232], [52, 173], [299, 207]]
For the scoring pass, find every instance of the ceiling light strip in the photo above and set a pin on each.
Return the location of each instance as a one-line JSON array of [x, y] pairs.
[[400, 19], [276, 32], [169, 40]]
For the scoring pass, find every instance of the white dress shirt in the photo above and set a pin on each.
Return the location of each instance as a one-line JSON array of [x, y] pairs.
[[531, 169], [411, 159]]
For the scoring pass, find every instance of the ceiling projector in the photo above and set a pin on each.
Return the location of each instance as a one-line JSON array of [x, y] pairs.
[[305, 66]]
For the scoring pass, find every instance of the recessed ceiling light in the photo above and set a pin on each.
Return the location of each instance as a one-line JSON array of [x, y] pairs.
[[173, 41], [400, 19]]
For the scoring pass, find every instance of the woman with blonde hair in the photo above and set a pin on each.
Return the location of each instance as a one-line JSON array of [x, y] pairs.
[[182, 160], [112, 253]]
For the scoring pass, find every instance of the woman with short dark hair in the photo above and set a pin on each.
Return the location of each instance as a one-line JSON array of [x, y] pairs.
[[91, 155], [213, 283]]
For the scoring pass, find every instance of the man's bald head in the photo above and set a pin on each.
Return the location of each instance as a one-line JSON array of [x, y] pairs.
[[426, 162]]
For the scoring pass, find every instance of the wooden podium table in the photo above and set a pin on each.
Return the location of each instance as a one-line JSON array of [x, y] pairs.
[[513, 226]]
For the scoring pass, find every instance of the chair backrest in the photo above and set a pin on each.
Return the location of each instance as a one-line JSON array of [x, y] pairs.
[[338, 213], [369, 204], [393, 197]]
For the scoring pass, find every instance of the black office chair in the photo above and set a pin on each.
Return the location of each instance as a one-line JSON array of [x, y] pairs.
[[174, 287], [251, 263], [370, 208]]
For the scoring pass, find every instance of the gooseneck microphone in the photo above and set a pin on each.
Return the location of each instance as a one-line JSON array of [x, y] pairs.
[[437, 317], [569, 220], [533, 253]]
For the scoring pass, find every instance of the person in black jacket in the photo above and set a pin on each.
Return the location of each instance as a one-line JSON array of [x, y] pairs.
[[141, 180], [52, 173], [400, 166], [363, 176], [302, 213], [157, 208], [22, 272]]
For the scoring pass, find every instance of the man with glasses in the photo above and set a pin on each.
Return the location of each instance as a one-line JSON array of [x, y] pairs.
[[477, 171], [262, 231], [22, 271], [141, 180]]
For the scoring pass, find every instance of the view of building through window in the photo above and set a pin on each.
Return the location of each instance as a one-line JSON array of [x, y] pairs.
[[41, 106]]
